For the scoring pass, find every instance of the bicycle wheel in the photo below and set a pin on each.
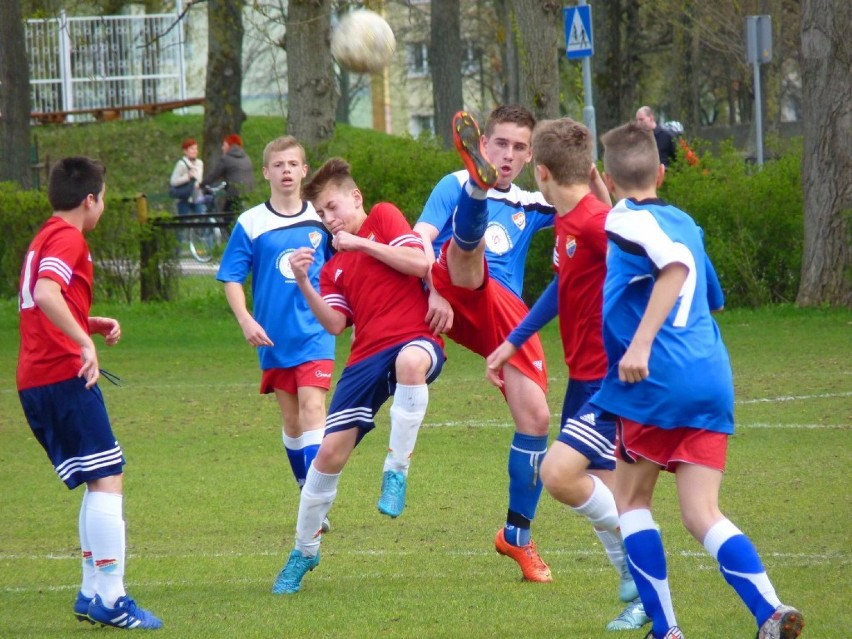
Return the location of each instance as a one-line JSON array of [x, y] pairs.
[[203, 240]]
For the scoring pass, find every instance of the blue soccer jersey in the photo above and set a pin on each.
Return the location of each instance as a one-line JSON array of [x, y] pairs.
[[260, 246], [690, 381], [514, 217]]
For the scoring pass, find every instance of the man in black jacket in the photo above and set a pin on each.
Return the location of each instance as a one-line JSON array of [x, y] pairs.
[[235, 168], [665, 141]]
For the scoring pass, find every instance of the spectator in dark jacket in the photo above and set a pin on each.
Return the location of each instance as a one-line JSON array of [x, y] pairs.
[[234, 167], [665, 142]]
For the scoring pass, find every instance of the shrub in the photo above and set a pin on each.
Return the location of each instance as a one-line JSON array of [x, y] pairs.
[[752, 220], [115, 244]]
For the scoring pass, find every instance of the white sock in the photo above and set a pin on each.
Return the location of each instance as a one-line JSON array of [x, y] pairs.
[[315, 501], [406, 416], [474, 191], [600, 510], [88, 584], [105, 533]]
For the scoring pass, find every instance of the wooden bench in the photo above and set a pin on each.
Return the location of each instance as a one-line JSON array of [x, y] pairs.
[[107, 113]]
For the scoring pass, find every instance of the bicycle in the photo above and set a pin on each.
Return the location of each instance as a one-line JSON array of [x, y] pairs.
[[208, 235]]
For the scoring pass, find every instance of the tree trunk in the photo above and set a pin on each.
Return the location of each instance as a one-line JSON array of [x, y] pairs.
[[616, 64], [15, 162], [445, 54], [539, 41], [827, 159], [311, 86], [223, 112]]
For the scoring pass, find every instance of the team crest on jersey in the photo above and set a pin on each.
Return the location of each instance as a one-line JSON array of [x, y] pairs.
[[315, 238], [283, 264], [497, 239], [520, 220], [570, 245]]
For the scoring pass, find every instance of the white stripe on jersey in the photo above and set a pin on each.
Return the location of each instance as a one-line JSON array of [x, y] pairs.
[[335, 300], [406, 239], [57, 266]]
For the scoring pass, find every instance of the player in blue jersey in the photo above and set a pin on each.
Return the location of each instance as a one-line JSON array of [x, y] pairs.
[[296, 353], [480, 225], [670, 387]]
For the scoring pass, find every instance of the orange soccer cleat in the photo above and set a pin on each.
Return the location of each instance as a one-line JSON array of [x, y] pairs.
[[531, 564]]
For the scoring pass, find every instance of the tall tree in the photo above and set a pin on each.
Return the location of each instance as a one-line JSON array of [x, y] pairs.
[[445, 53], [539, 38], [827, 161], [14, 97], [617, 68], [312, 89], [223, 113]]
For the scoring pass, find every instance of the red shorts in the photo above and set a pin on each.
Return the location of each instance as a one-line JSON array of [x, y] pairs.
[[670, 447], [289, 380], [483, 319]]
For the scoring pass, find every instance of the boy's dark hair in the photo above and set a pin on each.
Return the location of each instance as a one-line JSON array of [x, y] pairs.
[[335, 171], [565, 148], [72, 179], [631, 158], [512, 113]]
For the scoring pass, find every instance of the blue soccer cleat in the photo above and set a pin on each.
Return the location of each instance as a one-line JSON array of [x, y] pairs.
[[392, 500], [633, 617], [81, 608], [126, 614], [289, 580], [627, 590]]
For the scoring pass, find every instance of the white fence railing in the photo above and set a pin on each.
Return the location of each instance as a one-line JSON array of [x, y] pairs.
[[104, 61]]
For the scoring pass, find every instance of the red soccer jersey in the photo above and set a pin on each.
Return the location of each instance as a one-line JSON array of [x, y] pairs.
[[59, 252], [385, 306], [579, 259]]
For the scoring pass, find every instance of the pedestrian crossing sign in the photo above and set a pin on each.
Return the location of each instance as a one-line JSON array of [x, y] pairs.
[[578, 31]]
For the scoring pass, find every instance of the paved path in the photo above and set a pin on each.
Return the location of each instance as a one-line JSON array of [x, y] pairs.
[[189, 266]]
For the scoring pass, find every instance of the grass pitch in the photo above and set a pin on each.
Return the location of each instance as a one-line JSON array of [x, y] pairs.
[[211, 506]]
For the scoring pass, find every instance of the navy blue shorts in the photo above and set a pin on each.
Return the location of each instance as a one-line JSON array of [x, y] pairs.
[[72, 425], [365, 386], [584, 430]]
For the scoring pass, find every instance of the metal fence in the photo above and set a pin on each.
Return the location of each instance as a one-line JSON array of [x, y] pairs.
[[79, 63]]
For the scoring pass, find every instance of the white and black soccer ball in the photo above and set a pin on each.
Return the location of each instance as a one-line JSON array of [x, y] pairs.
[[363, 42]]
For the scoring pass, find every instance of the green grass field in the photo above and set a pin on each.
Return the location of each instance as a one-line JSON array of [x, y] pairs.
[[211, 506]]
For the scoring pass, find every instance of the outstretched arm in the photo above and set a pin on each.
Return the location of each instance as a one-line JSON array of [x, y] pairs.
[[544, 310]]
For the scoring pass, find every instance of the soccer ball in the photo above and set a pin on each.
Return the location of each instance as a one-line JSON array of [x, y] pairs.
[[363, 42]]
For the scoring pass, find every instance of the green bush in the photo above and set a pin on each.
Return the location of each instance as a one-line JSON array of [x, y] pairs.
[[752, 220], [114, 243], [387, 168], [23, 214]]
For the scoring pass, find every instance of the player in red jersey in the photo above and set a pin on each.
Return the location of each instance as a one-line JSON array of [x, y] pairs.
[[374, 284], [578, 468], [57, 384]]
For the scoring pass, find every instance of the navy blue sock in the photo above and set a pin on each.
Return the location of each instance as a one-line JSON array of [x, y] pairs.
[[524, 485], [469, 221]]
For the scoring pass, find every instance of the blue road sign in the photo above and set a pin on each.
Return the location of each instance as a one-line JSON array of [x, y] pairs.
[[578, 32]]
